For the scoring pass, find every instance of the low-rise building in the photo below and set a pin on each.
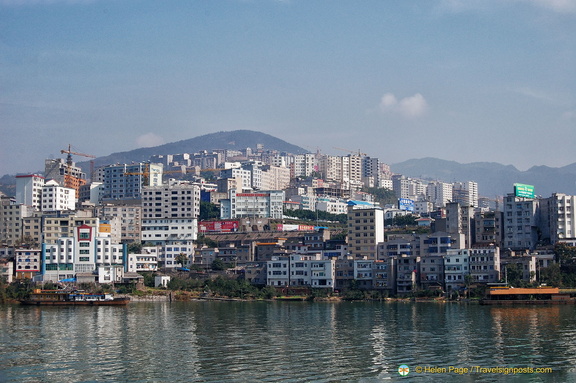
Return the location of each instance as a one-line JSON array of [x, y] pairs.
[[485, 264], [28, 263], [456, 269]]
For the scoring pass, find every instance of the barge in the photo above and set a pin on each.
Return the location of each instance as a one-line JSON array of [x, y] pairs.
[[526, 296]]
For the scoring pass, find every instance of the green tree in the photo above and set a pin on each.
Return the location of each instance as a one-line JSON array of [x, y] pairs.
[[208, 210], [218, 265], [203, 240], [514, 274], [565, 254], [382, 195], [182, 259], [309, 215], [551, 275], [135, 248], [405, 220]]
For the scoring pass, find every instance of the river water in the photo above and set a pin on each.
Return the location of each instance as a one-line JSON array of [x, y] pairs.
[[214, 341]]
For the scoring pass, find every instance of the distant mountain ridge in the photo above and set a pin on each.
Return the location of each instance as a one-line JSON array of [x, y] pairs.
[[493, 178], [233, 140]]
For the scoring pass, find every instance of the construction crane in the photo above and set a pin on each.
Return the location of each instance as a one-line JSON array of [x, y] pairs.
[[72, 180], [69, 158], [358, 152], [70, 152]]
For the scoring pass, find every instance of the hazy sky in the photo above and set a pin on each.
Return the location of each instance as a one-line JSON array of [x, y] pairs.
[[463, 80]]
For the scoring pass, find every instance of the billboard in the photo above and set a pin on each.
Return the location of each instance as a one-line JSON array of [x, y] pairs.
[[525, 191], [291, 227], [218, 226], [405, 204]]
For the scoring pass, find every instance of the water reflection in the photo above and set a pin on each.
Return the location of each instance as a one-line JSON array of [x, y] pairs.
[[279, 341]]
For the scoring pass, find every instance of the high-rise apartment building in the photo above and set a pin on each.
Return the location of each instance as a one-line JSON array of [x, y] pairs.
[[521, 220], [130, 216], [371, 171], [125, 181], [465, 193], [11, 225], [66, 173], [29, 190], [365, 231], [562, 222], [439, 193], [304, 165], [172, 200]]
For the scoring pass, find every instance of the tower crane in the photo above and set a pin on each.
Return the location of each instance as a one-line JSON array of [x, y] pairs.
[[69, 158], [70, 152]]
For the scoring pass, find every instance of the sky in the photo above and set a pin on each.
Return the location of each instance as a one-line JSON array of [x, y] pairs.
[[460, 80]]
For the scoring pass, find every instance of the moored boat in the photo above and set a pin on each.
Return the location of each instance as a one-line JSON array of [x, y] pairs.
[[502, 295], [72, 297]]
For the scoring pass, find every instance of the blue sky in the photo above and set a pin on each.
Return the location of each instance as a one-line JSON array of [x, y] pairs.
[[474, 80]]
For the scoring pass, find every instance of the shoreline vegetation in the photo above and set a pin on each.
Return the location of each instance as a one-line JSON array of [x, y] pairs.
[[225, 289]]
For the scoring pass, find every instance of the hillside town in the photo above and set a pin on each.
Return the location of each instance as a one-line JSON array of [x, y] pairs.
[[121, 221]]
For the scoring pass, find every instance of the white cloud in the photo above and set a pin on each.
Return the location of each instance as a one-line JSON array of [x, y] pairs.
[[148, 140], [410, 107], [457, 6], [560, 6]]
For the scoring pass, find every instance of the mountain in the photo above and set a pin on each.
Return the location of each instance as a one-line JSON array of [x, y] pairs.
[[234, 140], [493, 179]]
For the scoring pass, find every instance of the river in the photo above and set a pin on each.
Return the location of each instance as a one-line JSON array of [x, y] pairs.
[[208, 341]]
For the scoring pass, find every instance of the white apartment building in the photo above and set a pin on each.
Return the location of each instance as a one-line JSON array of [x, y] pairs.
[[330, 167], [91, 192], [275, 178], [82, 253], [304, 165], [386, 184], [243, 177], [423, 207], [261, 204], [562, 210], [161, 231], [301, 270], [465, 193], [332, 205], [353, 180], [277, 271], [401, 186], [169, 254], [29, 190], [146, 260], [439, 193], [57, 198], [175, 200]]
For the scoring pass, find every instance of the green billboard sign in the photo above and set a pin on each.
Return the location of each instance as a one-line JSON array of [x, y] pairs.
[[525, 191]]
